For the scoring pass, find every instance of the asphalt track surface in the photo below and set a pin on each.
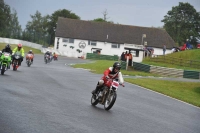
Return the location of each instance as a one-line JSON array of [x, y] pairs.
[[55, 98]]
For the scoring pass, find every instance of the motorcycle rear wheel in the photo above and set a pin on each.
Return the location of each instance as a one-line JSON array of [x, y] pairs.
[[110, 100], [14, 67], [28, 63]]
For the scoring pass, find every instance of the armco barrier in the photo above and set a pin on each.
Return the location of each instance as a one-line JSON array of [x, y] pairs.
[[123, 65], [166, 71], [191, 74], [141, 67]]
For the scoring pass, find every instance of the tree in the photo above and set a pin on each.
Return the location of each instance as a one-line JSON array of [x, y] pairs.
[[104, 19], [182, 22], [5, 17], [14, 27], [36, 29], [54, 18], [105, 13], [99, 20]]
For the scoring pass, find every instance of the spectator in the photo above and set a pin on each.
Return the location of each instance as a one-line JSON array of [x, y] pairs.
[[123, 56], [164, 49], [187, 44], [126, 54], [130, 59]]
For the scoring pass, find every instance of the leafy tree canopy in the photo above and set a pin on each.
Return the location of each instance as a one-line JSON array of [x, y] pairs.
[[101, 20], [183, 22], [54, 18]]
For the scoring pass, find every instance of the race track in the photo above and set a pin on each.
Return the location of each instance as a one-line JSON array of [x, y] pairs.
[[55, 98]]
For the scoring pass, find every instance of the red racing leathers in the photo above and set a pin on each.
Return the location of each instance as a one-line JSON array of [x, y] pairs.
[[113, 75]]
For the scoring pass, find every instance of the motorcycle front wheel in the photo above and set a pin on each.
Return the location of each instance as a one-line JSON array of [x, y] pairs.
[[45, 61], [28, 63], [94, 101], [110, 100], [3, 69]]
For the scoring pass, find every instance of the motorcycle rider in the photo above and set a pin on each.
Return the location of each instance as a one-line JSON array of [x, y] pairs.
[[18, 49], [7, 49], [31, 52], [47, 53], [54, 55], [110, 73]]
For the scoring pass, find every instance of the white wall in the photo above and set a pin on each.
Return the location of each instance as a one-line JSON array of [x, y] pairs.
[[106, 48]]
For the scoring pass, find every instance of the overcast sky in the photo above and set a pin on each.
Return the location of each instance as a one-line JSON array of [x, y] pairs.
[[146, 13]]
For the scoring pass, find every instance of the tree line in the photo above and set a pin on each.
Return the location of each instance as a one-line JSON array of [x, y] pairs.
[[181, 22]]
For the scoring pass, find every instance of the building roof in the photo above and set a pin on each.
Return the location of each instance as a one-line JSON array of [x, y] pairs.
[[113, 33]]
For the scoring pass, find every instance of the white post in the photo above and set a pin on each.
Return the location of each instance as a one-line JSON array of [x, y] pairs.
[[127, 59]]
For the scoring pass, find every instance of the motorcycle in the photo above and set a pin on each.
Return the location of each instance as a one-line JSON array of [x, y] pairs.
[[29, 57], [16, 60], [107, 95], [47, 59], [55, 57], [5, 61]]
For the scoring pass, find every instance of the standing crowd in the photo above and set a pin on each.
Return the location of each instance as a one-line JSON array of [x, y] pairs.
[[126, 55]]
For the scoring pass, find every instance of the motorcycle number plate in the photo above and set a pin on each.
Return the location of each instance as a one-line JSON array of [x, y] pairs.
[[6, 55], [115, 84]]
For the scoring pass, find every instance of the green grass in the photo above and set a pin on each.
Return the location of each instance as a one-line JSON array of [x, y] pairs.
[[186, 55], [184, 91], [26, 48], [193, 54], [100, 65]]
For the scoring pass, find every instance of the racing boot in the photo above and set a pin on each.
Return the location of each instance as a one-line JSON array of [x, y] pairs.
[[94, 92]]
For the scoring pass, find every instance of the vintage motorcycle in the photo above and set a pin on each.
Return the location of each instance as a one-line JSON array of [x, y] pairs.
[[107, 95], [55, 57], [47, 59], [16, 60], [4, 62], [29, 57]]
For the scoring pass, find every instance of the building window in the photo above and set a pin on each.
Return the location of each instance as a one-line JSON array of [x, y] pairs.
[[69, 40], [64, 40], [113, 45], [93, 43]]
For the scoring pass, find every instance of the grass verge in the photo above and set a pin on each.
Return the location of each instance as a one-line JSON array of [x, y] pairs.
[[100, 65], [26, 48], [184, 91]]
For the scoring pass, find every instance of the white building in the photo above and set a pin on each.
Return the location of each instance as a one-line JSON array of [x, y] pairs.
[[76, 38]]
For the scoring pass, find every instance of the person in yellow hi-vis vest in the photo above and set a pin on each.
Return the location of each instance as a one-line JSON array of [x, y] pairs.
[[18, 49]]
